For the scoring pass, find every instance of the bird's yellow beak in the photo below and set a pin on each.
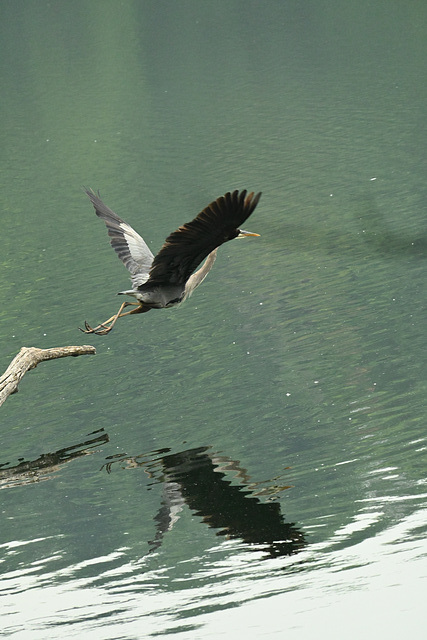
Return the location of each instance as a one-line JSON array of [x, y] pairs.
[[244, 234]]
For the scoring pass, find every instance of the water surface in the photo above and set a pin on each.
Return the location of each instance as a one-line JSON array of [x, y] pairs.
[[254, 461]]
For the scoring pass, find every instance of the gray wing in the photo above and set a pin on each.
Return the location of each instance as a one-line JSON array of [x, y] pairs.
[[128, 244]]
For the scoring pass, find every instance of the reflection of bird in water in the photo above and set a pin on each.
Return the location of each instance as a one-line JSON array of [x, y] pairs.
[[199, 479], [167, 279]]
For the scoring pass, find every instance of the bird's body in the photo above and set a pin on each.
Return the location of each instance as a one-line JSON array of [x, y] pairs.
[[158, 297], [167, 279]]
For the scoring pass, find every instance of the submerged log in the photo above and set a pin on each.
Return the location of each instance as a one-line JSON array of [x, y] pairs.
[[30, 357]]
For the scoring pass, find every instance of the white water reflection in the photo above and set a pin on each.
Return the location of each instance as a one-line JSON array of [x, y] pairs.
[[355, 589]]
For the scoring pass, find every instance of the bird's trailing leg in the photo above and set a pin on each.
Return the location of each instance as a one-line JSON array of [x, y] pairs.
[[105, 327]]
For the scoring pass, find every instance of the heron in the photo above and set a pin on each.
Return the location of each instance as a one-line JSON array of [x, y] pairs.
[[169, 278]]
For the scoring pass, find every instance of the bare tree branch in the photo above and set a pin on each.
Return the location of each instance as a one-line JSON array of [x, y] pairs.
[[30, 357]]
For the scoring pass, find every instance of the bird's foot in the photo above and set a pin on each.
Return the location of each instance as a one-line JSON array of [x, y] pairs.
[[101, 330], [105, 327]]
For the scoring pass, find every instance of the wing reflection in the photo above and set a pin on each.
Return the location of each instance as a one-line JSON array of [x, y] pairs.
[[43, 468], [202, 481]]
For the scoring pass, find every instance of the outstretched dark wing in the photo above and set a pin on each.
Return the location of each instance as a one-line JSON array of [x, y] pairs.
[[130, 247], [186, 247]]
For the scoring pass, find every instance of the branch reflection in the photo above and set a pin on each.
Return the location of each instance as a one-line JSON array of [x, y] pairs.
[[45, 466]]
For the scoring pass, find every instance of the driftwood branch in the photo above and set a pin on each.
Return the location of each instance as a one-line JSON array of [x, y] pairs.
[[30, 357]]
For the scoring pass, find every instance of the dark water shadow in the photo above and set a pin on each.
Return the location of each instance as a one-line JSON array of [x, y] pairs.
[[45, 466], [371, 236], [378, 236], [219, 491]]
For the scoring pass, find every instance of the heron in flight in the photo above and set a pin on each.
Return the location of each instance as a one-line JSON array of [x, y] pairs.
[[167, 279]]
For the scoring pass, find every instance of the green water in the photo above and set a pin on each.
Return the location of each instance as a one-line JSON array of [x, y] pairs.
[[286, 398]]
